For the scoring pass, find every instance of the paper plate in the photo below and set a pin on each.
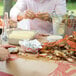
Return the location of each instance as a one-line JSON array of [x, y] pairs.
[[53, 38]]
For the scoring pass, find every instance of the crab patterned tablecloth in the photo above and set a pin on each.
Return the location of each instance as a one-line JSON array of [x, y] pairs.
[[18, 66]]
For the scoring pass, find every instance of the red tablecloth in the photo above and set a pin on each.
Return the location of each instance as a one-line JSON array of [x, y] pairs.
[[4, 74], [28, 67]]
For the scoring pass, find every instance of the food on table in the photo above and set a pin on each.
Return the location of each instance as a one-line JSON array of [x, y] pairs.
[[62, 49], [12, 24], [22, 34], [15, 36], [42, 38], [74, 35], [1, 22], [13, 50], [4, 54], [70, 20]]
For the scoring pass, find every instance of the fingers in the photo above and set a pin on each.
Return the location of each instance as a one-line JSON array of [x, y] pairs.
[[19, 18], [43, 16], [30, 14]]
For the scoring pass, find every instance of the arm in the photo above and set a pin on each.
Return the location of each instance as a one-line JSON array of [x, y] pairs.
[[20, 6], [60, 7]]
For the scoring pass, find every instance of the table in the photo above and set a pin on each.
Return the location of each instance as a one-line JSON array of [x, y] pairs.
[[27, 66], [30, 65]]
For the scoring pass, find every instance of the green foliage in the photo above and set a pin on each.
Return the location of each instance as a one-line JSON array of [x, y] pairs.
[[1, 8], [71, 0], [71, 6]]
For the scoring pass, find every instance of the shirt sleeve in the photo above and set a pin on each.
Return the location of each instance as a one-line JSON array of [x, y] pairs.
[[60, 7], [20, 6]]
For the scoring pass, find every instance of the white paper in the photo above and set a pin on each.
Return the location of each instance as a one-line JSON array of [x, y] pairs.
[[24, 24], [33, 44]]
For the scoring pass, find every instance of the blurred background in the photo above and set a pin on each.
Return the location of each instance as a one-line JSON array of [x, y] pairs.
[[5, 5]]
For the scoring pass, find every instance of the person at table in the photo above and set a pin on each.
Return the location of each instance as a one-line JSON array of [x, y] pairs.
[[38, 12]]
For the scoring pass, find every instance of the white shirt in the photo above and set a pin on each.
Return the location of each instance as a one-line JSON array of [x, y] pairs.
[[39, 6]]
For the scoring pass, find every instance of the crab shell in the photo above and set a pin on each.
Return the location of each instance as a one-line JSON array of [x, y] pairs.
[[71, 44], [74, 34], [1, 22]]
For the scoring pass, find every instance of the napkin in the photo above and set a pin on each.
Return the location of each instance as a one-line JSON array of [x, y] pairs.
[[31, 45], [24, 24]]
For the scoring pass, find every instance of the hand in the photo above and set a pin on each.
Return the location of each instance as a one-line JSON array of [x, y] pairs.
[[29, 15], [19, 17], [43, 16], [4, 54]]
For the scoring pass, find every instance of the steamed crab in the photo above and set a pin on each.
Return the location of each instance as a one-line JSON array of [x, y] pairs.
[[63, 48]]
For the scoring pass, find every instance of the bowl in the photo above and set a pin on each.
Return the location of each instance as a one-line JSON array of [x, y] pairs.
[[53, 38]]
